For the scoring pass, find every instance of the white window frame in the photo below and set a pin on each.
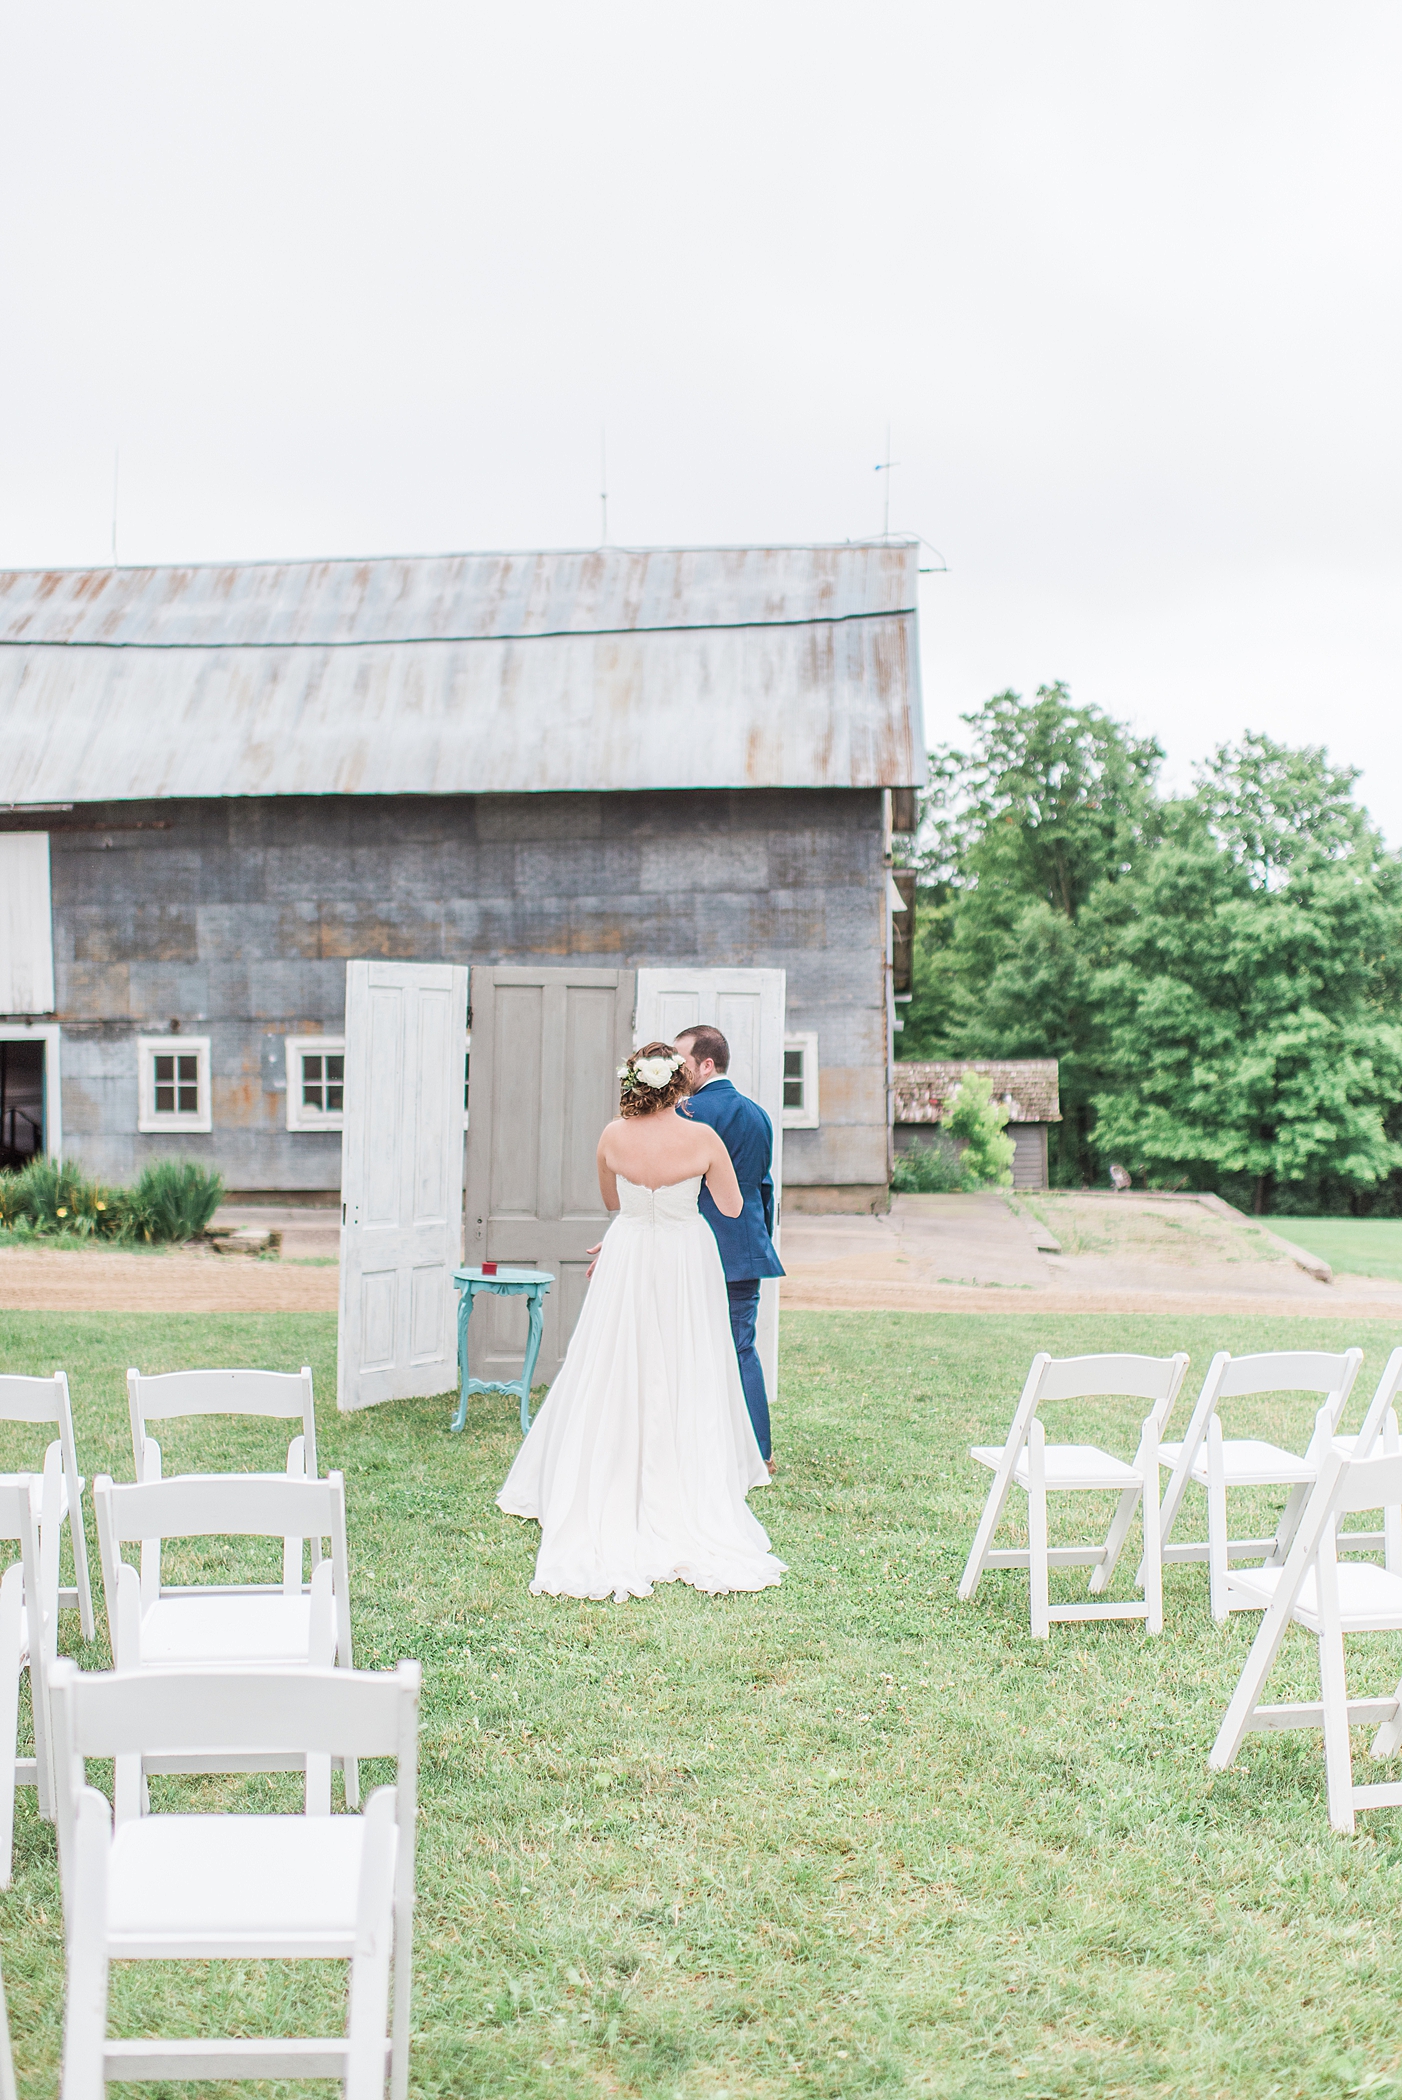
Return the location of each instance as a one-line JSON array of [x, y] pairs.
[[299, 1116], [805, 1118], [148, 1048]]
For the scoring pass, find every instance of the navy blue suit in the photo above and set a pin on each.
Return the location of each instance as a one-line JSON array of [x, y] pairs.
[[746, 1250]]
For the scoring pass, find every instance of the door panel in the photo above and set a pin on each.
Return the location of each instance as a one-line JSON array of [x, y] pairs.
[[748, 1008], [516, 1034], [401, 1180], [546, 1046]]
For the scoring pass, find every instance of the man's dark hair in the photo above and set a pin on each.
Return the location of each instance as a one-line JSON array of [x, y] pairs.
[[707, 1042]]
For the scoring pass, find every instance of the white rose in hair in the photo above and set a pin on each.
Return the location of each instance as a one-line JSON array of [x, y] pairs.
[[656, 1071]]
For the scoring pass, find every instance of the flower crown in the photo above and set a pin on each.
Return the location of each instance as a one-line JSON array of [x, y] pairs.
[[654, 1072]]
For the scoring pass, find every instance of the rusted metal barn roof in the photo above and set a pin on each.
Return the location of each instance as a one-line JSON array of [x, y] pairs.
[[1029, 1085], [479, 673]]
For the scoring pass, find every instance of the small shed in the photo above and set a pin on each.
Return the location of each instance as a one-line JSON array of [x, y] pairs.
[[1028, 1085]]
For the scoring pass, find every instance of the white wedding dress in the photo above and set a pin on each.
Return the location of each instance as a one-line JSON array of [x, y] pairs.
[[638, 1464]]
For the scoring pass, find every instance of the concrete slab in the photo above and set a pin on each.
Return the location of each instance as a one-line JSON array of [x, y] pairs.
[[307, 1235], [921, 1240]]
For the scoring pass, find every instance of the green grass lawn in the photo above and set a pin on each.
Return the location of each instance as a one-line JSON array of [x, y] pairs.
[[847, 1837], [1354, 1246]]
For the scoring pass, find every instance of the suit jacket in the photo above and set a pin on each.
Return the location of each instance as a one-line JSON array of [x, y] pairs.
[[746, 1250]]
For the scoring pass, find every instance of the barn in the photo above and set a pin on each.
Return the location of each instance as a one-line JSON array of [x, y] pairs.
[[219, 784]]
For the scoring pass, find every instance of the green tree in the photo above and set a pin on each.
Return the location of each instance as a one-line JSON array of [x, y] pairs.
[[1270, 805], [1251, 1031], [1220, 978], [1049, 803]]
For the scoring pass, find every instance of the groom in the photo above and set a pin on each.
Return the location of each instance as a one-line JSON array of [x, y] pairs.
[[746, 1250]]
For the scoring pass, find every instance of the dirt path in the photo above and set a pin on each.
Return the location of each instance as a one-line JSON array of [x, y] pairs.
[[1055, 1254], [46, 1279]]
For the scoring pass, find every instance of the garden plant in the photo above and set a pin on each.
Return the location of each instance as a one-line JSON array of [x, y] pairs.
[[171, 1200]]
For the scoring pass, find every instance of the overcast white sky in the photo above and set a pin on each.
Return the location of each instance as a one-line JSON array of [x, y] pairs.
[[1123, 279]]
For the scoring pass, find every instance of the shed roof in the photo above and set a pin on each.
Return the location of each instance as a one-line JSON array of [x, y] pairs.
[[611, 668], [1029, 1085]]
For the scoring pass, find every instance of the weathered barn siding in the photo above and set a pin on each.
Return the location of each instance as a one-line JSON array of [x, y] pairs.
[[236, 918]]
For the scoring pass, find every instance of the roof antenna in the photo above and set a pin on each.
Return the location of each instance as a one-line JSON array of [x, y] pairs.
[[603, 485], [116, 463], [885, 467]]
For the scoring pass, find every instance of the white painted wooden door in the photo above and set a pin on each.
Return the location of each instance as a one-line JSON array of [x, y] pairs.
[[747, 1006], [401, 1180]]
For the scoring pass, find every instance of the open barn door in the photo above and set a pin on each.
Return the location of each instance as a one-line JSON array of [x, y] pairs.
[[747, 1006], [546, 1047], [401, 1180]]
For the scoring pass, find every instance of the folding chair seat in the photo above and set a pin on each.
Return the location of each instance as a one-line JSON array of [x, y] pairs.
[[1217, 1463], [46, 1400], [294, 1625], [27, 1641], [1026, 1460], [177, 1887], [1329, 1598]]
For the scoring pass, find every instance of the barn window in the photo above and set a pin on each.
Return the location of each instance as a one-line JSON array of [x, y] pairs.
[[173, 1082], [316, 1082], [800, 1082]]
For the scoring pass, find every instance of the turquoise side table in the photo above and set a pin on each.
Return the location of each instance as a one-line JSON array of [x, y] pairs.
[[530, 1284]]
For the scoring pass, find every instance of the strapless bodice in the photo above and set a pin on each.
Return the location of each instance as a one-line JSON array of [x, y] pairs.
[[666, 1206]]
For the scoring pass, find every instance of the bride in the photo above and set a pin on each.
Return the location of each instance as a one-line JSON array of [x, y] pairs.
[[638, 1464]]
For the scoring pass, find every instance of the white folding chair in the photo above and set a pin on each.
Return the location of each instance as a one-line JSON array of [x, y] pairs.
[[1028, 1461], [1218, 1463], [236, 1887], [169, 1395], [46, 1400], [292, 1625], [1330, 1598], [27, 1640], [1379, 1438]]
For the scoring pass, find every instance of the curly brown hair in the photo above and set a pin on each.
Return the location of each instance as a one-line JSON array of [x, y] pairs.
[[638, 1099]]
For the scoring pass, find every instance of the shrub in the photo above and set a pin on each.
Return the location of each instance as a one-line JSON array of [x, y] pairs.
[[55, 1196], [174, 1199], [928, 1168], [971, 1114]]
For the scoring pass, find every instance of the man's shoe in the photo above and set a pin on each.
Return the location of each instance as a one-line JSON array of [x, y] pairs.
[[773, 1465]]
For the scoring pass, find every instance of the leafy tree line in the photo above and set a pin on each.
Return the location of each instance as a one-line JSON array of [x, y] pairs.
[[1219, 974]]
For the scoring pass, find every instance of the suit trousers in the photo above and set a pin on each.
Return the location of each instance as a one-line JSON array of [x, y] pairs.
[[744, 1308]]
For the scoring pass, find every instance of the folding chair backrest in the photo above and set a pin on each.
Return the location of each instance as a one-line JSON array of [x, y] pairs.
[[215, 1505], [18, 1520], [1293, 1371], [171, 1394], [1369, 1483], [218, 1505], [337, 1713], [34, 1399], [362, 1713], [1128, 1377], [1376, 1417]]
